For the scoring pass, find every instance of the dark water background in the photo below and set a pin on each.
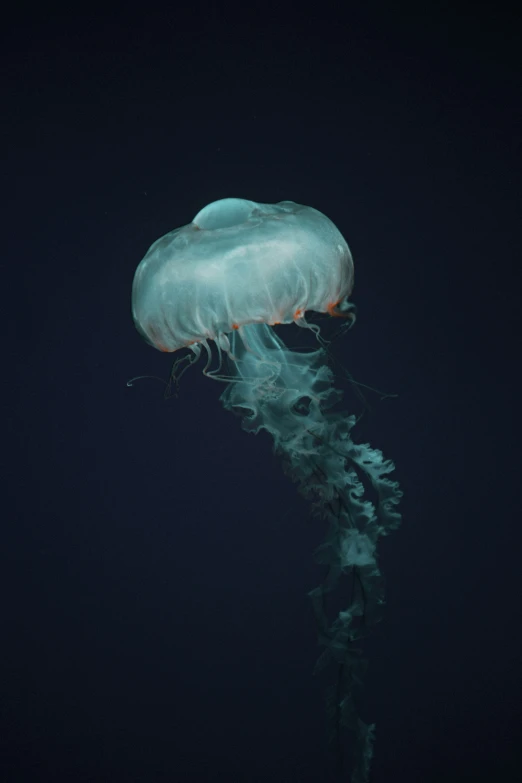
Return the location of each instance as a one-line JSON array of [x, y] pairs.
[[155, 560]]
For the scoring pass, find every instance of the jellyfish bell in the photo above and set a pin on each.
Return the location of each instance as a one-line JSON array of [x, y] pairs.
[[239, 263]]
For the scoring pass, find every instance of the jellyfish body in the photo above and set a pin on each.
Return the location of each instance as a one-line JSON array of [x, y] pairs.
[[239, 263], [227, 277]]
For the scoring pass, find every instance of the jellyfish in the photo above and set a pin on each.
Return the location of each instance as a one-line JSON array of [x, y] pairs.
[[217, 287]]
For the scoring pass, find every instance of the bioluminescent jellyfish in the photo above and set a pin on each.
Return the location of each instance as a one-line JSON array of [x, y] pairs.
[[225, 280]]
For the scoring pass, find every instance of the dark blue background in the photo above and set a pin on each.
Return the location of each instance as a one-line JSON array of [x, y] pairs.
[[155, 560]]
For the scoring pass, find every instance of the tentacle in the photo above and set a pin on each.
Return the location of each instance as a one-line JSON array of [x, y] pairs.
[[348, 486]]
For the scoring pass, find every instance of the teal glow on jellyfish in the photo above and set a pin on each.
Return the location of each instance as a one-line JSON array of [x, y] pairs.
[[225, 279]]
